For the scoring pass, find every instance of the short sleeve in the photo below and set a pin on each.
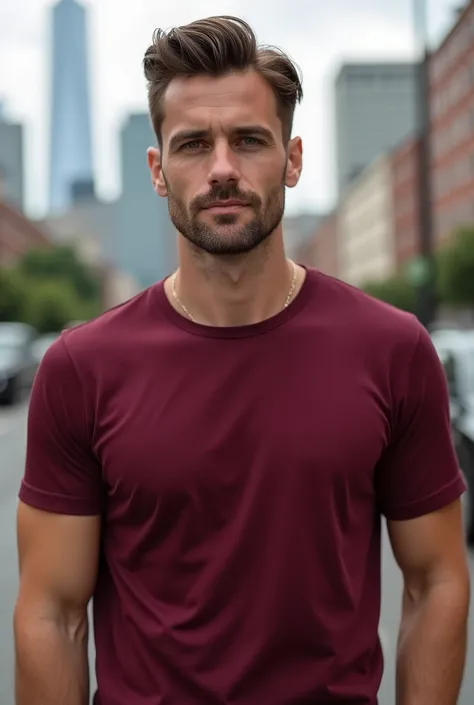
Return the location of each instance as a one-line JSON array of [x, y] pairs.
[[61, 473], [419, 472]]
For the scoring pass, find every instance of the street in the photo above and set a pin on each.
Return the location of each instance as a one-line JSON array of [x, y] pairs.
[[12, 447]]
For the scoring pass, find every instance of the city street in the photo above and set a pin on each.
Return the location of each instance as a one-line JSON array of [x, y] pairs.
[[12, 444]]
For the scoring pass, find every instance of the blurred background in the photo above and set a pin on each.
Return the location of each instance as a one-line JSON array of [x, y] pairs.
[[386, 201]]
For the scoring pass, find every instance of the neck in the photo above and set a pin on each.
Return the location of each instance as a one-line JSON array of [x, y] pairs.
[[236, 290]]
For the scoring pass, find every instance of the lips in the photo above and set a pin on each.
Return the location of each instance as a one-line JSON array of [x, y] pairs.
[[226, 204]]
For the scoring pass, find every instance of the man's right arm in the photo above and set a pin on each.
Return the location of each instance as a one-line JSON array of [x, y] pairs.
[[58, 528], [58, 557]]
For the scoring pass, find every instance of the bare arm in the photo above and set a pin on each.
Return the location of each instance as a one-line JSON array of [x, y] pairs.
[[58, 558], [430, 551]]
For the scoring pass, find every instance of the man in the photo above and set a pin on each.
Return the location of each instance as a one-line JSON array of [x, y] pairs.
[[210, 461]]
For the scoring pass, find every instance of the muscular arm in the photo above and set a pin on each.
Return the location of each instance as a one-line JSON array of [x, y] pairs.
[[58, 563], [432, 641]]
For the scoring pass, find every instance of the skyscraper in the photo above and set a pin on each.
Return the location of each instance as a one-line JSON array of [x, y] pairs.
[[11, 161], [146, 245], [70, 129], [375, 109]]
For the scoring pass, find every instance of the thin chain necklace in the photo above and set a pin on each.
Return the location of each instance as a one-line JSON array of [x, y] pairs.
[[191, 317]]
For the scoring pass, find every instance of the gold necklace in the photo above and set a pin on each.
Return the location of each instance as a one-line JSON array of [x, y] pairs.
[[191, 317]]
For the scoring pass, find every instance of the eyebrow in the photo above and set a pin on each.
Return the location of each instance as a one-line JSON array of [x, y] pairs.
[[186, 135], [189, 135]]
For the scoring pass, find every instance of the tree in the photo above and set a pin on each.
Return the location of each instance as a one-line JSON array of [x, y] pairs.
[[54, 304], [14, 295], [396, 291], [456, 269], [61, 263]]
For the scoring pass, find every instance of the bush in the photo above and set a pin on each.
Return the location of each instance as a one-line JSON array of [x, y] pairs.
[[53, 305], [456, 270], [61, 263], [396, 291], [15, 294]]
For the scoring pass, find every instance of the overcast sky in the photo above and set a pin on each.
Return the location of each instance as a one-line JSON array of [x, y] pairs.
[[319, 37]]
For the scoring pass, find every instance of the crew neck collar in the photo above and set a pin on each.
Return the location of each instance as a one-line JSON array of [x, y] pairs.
[[246, 331]]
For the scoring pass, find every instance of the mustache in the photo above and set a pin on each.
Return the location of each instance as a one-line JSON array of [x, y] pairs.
[[224, 193]]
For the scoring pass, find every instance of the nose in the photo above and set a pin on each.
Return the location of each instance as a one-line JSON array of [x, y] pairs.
[[224, 168]]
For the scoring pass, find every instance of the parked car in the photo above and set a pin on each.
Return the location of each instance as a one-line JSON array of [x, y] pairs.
[[456, 351], [41, 344], [17, 364]]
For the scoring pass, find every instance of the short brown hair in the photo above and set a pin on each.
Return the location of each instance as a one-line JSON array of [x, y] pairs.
[[216, 46]]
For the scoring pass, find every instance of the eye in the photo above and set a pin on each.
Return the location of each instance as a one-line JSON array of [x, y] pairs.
[[250, 141], [192, 145]]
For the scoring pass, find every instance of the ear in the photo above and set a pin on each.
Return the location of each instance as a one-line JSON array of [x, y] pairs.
[[156, 172], [294, 162]]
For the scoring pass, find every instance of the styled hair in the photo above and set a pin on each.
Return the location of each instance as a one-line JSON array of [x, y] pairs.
[[217, 46]]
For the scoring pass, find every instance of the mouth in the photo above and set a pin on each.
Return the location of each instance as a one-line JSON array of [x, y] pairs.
[[229, 206]]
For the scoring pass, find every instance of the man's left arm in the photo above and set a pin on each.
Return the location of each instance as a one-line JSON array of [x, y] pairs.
[[419, 485], [430, 551]]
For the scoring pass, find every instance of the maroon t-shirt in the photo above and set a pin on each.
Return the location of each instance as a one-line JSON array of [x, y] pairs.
[[241, 474]]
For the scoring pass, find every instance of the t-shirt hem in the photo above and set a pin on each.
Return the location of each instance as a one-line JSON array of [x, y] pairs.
[[56, 503], [435, 501]]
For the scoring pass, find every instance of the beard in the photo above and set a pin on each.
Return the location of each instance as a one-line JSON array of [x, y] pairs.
[[227, 237]]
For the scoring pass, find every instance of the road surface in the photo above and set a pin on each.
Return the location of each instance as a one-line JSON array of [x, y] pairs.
[[12, 450]]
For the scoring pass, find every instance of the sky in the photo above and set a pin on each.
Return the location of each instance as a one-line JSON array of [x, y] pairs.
[[318, 36]]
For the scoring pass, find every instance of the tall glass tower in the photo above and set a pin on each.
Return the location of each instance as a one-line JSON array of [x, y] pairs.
[[70, 130]]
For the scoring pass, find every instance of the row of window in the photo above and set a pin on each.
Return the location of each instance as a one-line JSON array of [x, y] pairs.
[[455, 47], [454, 134], [406, 205], [405, 170], [457, 88], [456, 175], [406, 238]]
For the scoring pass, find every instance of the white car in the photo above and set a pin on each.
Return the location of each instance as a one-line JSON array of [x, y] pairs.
[[456, 351], [41, 345], [17, 365]]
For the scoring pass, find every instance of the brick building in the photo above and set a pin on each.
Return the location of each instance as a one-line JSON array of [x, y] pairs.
[[366, 250], [452, 128], [321, 251], [17, 235], [406, 204]]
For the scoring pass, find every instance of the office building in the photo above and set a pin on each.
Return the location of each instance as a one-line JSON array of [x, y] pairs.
[[146, 245], [70, 129], [375, 110], [11, 161]]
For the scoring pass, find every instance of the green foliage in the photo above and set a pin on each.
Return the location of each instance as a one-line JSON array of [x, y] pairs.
[[14, 295], [61, 263], [48, 289], [396, 291], [53, 305], [456, 270]]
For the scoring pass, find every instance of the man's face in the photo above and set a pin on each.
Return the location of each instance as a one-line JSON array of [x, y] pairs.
[[224, 165]]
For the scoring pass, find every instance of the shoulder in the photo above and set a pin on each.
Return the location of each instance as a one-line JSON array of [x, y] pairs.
[[91, 348], [365, 322], [114, 329]]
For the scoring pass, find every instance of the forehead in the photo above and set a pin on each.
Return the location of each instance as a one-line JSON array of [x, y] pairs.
[[222, 102]]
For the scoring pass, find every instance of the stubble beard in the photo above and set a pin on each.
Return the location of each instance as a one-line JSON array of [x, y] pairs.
[[226, 238]]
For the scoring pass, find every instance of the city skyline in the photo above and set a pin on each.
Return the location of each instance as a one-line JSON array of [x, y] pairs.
[[319, 45], [70, 143]]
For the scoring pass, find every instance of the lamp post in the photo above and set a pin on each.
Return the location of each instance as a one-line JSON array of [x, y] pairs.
[[424, 271]]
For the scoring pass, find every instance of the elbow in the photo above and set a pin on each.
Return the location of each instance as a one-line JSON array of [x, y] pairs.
[[34, 620], [450, 590]]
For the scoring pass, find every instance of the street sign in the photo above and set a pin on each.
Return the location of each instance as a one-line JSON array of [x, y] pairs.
[[418, 271]]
